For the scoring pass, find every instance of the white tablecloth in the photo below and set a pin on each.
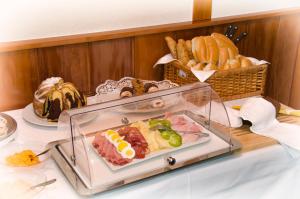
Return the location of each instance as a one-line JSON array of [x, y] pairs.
[[266, 173]]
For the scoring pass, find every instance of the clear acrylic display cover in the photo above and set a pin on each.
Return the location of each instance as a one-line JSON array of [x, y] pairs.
[[188, 108]]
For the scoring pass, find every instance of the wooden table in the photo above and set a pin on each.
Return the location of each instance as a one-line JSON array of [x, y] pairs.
[[251, 141]]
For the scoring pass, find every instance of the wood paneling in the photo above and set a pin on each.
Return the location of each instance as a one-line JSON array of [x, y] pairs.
[[147, 50], [202, 10], [284, 59], [71, 62], [295, 90], [111, 59], [19, 77]]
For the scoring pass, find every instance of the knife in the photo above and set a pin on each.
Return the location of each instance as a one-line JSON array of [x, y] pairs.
[[43, 184], [228, 30], [232, 32], [240, 37]]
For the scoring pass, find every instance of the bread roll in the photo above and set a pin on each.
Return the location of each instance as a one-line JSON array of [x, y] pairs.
[[226, 66], [199, 49], [191, 63], [199, 66], [245, 62], [182, 53], [212, 50], [223, 56], [231, 53], [188, 44], [194, 43], [210, 66], [234, 63], [172, 46], [225, 42]]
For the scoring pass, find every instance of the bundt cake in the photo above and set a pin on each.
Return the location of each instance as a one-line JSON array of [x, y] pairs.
[[53, 96]]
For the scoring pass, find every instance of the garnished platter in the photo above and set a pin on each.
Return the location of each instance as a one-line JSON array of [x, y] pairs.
[[189, 134]]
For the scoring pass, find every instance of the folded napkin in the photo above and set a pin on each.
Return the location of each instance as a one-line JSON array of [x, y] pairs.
[[262, 114]]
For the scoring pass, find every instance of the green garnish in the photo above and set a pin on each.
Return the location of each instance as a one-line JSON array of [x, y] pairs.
[[156, 122], [175, 140], [166, 132]]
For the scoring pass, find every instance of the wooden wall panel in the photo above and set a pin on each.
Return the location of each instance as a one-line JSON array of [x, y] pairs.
[[71, 62], [202, 9], [284, 58], [260, 40], [111, 59], [295, 90], [147, 50], [19, 77]]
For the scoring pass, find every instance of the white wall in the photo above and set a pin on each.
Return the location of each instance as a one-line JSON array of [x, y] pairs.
[[223, 8], [30, 19]]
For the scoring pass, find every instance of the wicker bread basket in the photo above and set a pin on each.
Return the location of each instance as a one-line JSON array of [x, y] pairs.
[[229, 84]]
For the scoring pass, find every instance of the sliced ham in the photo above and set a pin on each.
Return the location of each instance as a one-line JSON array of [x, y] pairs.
[[181, 124], [108, 151], [136, 139], [187, 128]]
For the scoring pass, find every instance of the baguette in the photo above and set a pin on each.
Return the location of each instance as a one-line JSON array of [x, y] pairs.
[[194, 51], [232, 54], [212, 50], [224, 41], [223, 56], [191, 63], [199, 49], [188, 45], [182, 53], [245, 62], [210, 66], [172, 46], [199, 66], [234, 63]]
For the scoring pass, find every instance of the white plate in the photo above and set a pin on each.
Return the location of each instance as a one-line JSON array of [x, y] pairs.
[[29, 116], [168, 101], [11, 130], [201, 140], [110, 90]]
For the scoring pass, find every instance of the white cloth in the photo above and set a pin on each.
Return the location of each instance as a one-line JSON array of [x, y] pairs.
[[262, 114], [266, 173]]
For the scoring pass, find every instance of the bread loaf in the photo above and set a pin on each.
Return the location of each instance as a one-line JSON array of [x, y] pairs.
[[182, 53], [210, 66], [223, 56], [225, 42], [172, 46], [245, 62], [199, 49], [214, 52], [191, 63], [199, 66], [188, 44]]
